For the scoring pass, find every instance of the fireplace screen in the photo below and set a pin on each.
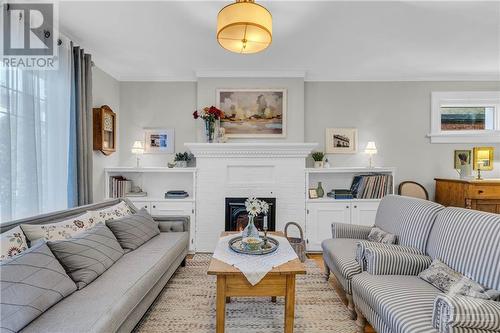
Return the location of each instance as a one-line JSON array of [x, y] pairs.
[[237, 216]]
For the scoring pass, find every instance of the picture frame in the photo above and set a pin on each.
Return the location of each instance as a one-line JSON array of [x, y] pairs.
[[313, 193], [159, 141], [462, 158], [483, 156], [253, 113], [341, 140]]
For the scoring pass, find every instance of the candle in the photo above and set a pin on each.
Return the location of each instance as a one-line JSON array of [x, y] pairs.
[[265, 222]]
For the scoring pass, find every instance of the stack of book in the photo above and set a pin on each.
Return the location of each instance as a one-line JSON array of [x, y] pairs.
[[372, 186], [340, 194], [119, 186], [176, 195]]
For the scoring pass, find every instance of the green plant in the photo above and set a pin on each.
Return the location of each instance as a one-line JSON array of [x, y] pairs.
[[185, 156], [318, 156]]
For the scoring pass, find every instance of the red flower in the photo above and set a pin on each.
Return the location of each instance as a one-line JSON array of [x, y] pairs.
[[216, 112], [195, 115]]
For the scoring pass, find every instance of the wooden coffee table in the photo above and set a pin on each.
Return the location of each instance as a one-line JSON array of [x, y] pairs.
[[278, 282]]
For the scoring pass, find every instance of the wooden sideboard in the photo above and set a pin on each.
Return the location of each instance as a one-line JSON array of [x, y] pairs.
[[472, 194]]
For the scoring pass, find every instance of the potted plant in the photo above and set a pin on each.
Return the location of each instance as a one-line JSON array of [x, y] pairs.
[[182, 159], [210, 115], [318, 158]]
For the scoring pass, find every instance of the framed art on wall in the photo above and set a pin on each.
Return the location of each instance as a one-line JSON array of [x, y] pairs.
[[159, 141], [341, 140], [462, 158], [253, 113]]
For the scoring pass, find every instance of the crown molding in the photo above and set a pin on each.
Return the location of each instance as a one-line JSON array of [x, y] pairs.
[[251, 149], [251, 74]]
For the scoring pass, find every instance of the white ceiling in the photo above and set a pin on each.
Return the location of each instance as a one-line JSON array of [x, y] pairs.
[[329, 40]]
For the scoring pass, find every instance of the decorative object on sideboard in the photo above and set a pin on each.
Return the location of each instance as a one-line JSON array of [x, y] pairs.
[[318, 157], [104, 127], [483, 155], [371, 149], [137, 150], [211, 116], [159, 141], [341, 140], [320, 191], [182, 159], [463, 163], [253, 113], [326, 164], [244, 27]]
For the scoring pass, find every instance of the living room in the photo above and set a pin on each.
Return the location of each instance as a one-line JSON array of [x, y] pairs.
[[250, 166]]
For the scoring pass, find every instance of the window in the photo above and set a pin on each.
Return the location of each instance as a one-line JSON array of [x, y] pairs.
[[465, 117]]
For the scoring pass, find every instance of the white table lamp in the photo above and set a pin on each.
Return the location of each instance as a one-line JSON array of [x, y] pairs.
[[371, 149], [138, 149]]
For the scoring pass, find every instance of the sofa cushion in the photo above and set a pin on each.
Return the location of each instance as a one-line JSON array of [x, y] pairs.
[[87, 255], [60, 230], [132, 231], [404, 303], [12, 242], [342, 254], [380, 236], [121, 209], [31, 282], [104, 304]]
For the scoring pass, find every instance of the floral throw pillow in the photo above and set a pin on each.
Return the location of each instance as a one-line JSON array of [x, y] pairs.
[[110, 213], [452, 282], [60, 230], [12, 242], [380, 236]]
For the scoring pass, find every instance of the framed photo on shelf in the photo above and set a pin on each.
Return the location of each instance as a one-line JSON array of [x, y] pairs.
[[341, 140], [313, 193], [253, 113], [462, 158], [159, 141]]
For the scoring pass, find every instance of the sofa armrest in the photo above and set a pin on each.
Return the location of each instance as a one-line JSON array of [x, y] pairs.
[[342, 230], [383, 261], [172, 223], [456, 311], [363, 245]]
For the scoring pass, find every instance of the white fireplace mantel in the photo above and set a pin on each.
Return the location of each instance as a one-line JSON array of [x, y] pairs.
[[251, 149]]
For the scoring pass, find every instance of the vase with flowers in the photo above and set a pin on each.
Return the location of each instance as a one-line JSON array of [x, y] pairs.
[[254, 208], [210, 116]]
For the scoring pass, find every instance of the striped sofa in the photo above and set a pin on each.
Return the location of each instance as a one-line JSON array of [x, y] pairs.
[[409, 218], [392, 297]]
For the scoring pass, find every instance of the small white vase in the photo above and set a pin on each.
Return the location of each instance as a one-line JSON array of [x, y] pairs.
[[318, 164]]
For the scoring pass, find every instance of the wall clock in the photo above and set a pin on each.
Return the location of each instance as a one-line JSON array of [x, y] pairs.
[[104, 130]]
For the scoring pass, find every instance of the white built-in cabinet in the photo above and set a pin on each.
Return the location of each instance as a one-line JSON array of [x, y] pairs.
[[322, 212], [156, 181]]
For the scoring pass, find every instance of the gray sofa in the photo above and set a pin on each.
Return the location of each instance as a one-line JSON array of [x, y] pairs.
[[395, 300], [408, 218], [116, 300]]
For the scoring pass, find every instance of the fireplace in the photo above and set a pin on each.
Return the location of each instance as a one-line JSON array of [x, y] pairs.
[[237, 217]]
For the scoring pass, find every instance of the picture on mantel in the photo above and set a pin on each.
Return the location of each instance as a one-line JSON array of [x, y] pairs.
[[253, 113]]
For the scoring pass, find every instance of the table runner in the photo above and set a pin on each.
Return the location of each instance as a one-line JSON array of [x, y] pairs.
[[254, 267]]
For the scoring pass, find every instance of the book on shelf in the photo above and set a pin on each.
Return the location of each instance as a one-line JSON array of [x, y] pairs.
[[340, 194], [176, 194], [136, 194], [371, 186], [119, 186]]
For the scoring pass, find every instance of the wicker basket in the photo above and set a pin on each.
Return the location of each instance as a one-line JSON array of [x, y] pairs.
[[298, 244]]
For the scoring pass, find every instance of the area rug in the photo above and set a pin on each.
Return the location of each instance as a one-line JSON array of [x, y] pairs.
[[187, 304]]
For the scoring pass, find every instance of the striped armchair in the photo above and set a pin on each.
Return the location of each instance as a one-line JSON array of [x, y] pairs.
[[394, 299], [409, 218]]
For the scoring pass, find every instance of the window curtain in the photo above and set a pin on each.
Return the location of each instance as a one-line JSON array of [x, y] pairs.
[[34, 145], [80, 139]]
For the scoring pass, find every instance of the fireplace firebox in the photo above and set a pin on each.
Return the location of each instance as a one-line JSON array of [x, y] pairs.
[[237, 216]]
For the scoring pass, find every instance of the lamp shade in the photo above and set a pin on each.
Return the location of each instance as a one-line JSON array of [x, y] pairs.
[[244, 27], [138, 147], [371, 148]]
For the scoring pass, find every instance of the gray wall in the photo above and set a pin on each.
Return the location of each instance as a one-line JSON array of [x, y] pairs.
[[396, 115], [105, 90]]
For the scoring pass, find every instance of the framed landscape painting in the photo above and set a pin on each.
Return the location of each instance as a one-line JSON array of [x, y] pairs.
[[341, 140], [253, 113]]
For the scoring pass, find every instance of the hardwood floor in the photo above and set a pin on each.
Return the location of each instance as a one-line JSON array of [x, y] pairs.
[[318, 258]]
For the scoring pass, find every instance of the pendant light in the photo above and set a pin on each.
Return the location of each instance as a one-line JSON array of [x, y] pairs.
[[244, 27]]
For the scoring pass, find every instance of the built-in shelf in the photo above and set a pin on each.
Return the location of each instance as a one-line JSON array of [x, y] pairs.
[[151, 199], [352, 170], [329, 200], [150, 169]]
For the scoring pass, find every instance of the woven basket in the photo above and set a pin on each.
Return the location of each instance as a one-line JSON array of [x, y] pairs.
[[298, 244]]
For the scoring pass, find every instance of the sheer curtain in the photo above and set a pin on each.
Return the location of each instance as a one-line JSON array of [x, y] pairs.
[[34, 138]]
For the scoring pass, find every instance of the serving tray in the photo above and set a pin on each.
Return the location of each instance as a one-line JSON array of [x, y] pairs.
[[236, 245]]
